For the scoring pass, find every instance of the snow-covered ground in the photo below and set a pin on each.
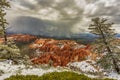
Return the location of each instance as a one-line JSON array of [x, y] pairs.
[[10, 69], [87, 67], [114, 75], [83, 66]]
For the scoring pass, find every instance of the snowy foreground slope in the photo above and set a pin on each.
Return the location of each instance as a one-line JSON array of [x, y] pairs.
[[88, 69], [7, 69]]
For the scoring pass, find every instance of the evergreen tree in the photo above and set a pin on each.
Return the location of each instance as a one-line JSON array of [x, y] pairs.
[[106, 35], [8, 49], [3, 5]]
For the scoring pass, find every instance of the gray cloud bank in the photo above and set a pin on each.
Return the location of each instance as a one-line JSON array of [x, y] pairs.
[[59, 17]]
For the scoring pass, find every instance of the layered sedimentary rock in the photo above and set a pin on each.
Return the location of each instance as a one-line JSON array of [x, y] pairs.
[[20, 38], [58, 52]]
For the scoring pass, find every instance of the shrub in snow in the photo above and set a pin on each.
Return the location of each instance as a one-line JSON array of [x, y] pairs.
[[9, 50], [1, 72]]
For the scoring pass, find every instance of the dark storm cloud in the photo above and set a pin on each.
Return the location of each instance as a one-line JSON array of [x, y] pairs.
[[60, 17], [36, 26], [45, 3], [59, 27]]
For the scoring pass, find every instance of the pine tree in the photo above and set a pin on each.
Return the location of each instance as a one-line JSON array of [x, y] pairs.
[[106, 35], [3, 5], [8, 49]]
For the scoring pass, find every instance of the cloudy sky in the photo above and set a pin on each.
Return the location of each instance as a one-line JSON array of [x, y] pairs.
[[59, 17]]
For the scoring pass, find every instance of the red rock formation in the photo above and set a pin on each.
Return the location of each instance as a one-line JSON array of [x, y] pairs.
[[60, 52], [22, 37], [1, 40]]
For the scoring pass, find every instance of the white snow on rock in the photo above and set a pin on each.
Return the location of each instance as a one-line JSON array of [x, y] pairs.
[[10, 70], [83, 66], [86, 67], [114, 75]]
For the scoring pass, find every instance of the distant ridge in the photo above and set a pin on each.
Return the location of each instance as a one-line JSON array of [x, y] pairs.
[[73, 36]]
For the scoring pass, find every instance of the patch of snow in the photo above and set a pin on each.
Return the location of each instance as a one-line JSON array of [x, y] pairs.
[[79, 46], [10, 70], [118, 47], [114, 75], [83, 66], [62, 46], [37, 45]]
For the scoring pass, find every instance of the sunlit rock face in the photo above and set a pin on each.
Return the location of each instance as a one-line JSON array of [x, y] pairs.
[[19, 38], [62, 18], [60, 52]]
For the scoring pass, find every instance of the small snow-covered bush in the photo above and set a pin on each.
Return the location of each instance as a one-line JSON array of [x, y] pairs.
[[9, 50]]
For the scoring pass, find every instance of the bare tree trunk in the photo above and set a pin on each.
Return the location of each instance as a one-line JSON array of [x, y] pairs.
[[5, 36]]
